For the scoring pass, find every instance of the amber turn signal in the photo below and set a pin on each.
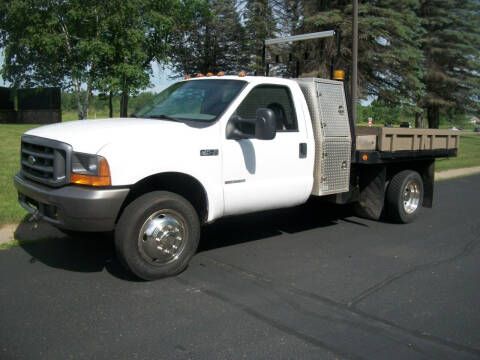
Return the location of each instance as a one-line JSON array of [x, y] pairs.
[[364, 157], [102, 179]]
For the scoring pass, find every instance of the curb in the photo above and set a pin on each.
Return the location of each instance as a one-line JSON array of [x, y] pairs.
[[449, 174], [6, 233]]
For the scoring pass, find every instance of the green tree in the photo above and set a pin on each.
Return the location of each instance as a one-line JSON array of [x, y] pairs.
[[451, 44], [86, 45], [390, 60], [50, 43], [213, 41], [137, 33], [260, 25]]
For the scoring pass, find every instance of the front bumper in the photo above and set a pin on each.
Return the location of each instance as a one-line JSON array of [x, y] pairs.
[[71, 207]]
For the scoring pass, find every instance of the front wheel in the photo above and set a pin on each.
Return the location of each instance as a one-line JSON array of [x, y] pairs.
[[157, 235], [404, 196]]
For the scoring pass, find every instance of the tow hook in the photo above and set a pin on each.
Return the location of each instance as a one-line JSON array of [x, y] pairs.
[[35, 217]]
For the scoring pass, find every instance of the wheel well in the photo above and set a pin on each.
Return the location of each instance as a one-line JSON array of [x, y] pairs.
[[179, 183]]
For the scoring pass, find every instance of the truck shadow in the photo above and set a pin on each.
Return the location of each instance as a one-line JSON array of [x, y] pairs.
[[94, 252], [77, 252], [256, 226]]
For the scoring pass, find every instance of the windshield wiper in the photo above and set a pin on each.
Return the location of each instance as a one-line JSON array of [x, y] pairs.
[[163, 116]]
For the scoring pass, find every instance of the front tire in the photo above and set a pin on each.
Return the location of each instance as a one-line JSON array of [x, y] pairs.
[[157, 235], [404, 196]]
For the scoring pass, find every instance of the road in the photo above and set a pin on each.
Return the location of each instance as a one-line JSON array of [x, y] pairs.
[[314, 282]]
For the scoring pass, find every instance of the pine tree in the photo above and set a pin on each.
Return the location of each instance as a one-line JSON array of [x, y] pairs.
[[214, 41], [451, 45], [390, 60], [260, 25], [287, 16]]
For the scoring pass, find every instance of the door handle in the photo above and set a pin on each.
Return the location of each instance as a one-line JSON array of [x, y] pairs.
[[302, 150]]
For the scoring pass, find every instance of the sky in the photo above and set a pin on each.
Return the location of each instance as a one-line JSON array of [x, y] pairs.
[[161, 78]]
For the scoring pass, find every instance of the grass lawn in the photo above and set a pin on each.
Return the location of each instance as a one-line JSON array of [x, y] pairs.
[[72, 115], [11, 212], [468, 154]]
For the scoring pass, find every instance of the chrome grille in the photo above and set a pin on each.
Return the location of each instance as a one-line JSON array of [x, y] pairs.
[[44, 160]]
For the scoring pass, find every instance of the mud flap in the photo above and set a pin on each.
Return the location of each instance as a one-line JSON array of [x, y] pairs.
[[428, 177], [371, 192]]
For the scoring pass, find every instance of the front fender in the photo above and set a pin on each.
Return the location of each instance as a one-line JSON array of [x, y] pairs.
[[129, 165]]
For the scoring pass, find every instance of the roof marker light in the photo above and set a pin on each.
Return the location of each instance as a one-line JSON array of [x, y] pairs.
[[241, 74], [339, 75], [186, 77], [220, 73], [200, 75]]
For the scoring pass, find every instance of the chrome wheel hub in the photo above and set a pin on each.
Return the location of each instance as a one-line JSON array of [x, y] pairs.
[[411, 197], [161, 238]]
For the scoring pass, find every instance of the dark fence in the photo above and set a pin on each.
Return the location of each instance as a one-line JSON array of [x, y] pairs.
[[7, 106], [39, 99], [34, 106], [7, 99]]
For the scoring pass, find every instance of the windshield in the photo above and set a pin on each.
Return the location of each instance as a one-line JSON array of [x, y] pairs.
[[200, 100]]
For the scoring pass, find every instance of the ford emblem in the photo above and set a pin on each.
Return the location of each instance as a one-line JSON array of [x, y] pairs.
[[31, 160]]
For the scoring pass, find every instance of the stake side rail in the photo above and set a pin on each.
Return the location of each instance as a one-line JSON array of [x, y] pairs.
[[384, 157]]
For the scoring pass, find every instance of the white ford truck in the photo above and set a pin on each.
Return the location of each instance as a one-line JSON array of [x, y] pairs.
[[216, 146]]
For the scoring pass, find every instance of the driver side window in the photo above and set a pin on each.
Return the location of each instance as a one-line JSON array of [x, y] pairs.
[[274, 97]]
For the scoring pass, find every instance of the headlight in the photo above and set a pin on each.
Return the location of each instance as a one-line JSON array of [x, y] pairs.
[[90, 170]]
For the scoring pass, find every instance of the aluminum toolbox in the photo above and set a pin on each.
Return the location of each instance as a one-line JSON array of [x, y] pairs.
[[328, 111]]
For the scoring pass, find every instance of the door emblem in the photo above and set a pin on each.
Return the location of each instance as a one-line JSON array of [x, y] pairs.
[[209, 152]]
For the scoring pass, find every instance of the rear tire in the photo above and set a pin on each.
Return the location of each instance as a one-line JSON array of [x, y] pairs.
[[404, 196], [157, 235]]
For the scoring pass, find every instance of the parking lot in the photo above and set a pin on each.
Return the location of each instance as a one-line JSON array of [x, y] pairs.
[[313, 282]]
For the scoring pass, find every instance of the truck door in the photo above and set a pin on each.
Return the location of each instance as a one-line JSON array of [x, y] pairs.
[[267, 174]]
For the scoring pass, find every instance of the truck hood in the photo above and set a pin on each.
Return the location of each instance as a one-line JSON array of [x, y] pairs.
[[90, 136]]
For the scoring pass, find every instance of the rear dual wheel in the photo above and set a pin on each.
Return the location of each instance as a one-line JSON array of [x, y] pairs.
[[404, 196], [157, 235]]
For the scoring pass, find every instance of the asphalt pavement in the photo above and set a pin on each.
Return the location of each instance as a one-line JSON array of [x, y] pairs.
[[313, 282]]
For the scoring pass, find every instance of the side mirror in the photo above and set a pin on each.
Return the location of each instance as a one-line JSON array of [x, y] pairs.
[[265, 124], [239, 128], [263, 127]]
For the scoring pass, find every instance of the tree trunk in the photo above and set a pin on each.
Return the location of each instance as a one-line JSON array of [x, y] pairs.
[[124, 99], [110, 105], [124, 104], [78, 97], [433, 115], [85, 103], [419, 120]]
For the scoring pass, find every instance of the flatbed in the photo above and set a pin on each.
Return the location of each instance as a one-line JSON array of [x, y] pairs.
[[376, 145]]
